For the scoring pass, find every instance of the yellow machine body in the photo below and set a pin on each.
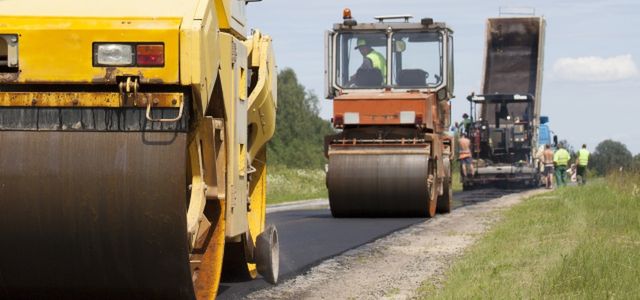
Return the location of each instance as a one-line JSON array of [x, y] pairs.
[[216, 88]]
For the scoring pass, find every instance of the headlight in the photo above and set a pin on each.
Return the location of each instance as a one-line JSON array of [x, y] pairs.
[[113, 54]]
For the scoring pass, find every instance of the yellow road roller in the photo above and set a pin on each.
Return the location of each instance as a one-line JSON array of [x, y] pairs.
[[133, 148]]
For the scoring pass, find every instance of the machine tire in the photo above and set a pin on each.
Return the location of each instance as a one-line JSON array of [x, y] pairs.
[[433, 193], [267, 253], [444, 200]]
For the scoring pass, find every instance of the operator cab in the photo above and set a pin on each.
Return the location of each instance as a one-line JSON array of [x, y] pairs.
[[395, 56]]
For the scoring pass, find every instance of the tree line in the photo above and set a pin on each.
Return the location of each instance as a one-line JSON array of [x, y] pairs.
[[612, 155], [299, 138]]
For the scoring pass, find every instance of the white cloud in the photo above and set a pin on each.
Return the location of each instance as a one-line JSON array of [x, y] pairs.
[[594, 68]]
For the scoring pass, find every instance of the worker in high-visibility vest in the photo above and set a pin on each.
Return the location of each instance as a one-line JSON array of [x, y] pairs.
[[372, 59], [583, 161], [561, 159], [465, 124]]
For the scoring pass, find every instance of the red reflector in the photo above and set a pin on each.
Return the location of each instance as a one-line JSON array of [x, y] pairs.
[[338, 120], [150, 55]]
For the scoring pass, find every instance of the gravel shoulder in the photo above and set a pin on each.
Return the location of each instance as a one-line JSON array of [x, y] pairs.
[[395, 266]]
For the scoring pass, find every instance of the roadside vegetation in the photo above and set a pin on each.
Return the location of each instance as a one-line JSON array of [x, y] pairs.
[[455, 179], [456, 183], [291, 184], [611, 155], [295, 154], [575, 242]]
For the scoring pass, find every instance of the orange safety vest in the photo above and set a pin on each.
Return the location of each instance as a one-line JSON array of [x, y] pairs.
[[465, 153]]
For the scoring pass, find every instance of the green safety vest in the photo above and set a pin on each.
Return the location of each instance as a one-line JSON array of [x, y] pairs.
[[378, 62], [561, 157], [583, 157]]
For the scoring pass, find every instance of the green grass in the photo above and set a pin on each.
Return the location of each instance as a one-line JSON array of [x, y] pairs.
[[287, 184], [456, 183], [576, 242]]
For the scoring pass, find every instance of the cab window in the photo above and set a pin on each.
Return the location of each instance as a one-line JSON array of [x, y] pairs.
[[361, 60], [417, 59]]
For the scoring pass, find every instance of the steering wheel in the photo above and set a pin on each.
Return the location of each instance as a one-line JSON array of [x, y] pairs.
[[426, 75]]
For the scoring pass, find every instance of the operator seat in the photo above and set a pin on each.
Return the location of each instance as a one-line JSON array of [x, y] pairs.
[[368, 78], [412, 77]]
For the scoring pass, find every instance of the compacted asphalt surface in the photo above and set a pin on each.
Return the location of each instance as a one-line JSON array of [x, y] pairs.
[[309, 236]]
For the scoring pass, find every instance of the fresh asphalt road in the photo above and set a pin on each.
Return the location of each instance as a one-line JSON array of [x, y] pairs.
[[309, 236]]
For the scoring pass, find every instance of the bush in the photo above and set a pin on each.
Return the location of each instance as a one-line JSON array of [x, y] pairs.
[[610, 155], [286, 184]]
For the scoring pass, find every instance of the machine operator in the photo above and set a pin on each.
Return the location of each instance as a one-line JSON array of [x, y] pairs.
[[371, 59]]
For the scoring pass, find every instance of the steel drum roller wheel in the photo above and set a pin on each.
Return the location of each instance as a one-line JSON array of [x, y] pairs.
[[94, 215], [389, 183]]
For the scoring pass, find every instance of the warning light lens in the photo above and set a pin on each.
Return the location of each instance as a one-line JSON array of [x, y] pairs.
[[346, 13], [150, 55]]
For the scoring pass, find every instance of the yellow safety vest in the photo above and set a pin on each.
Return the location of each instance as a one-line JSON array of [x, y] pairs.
[[561, 157], [583, 157], [378, 62]]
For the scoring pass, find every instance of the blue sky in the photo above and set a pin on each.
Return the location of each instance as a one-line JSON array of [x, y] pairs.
[[591, 77]]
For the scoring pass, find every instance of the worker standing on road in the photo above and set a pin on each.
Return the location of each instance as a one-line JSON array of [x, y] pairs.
[[465, 155], [547, 161], [583, 161], [561, 160]]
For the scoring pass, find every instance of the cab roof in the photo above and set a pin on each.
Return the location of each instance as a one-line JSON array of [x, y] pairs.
[[392, 25]]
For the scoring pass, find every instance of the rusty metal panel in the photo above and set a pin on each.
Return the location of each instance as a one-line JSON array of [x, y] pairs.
[[89, 99], [512, 56], [513, 61], [93, 215], [386, 108], [88, 119]]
